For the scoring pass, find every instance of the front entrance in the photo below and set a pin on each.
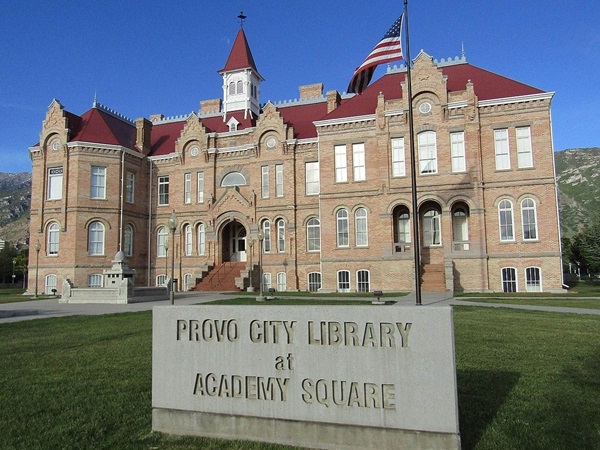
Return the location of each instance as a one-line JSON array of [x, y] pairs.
[[233, 240]]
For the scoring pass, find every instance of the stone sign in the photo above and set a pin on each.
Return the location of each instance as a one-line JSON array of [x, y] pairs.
[[322, 377]]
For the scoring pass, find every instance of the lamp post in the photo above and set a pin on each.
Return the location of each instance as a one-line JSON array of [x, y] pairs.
[[13, 274], [38, 247], [166, 261], [250, 245], [172, 227], [261, 237]]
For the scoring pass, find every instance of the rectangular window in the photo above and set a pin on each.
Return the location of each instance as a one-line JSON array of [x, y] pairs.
[[163, 190], [130, 187], [95, 280], [187, 188], [312, 178], [281, 281], [98, 182], [341, 170], [533, 279], [265, 181], [55, 183], [266, 281], [502, 149], [358, 162], [398, 158], [509, 279], [314, 281], [457, 143], [362, 281], [427, 152], [279, 180], [200, 187], [524, 152], [343, 281]]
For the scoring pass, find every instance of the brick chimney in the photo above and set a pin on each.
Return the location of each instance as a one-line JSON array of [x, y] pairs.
[[210, 106], [334, 99], [311, 91], [144, 134]]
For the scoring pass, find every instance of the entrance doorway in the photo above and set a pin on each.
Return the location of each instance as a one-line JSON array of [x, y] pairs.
[[233, 240]]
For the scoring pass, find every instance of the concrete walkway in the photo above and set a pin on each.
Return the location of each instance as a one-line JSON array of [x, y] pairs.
[[39, 309]]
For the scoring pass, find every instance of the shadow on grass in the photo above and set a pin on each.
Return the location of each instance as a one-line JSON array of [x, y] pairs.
[[481, 393]]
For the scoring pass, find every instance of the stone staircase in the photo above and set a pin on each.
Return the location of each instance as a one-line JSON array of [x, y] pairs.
[[222, 278], [433, 278]]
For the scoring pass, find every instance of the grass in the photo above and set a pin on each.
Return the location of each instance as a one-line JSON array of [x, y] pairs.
[[559, 302], [525, 380], [16, 295]]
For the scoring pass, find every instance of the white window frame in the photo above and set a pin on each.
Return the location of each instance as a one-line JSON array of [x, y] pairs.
[[404, 231], [432, 228], [427, 143], [264, 181], [529, 219], [509, 282], [161, 280], [313, 183], [314, 281], [266, 228], [201, 232], [341, 164], [95, 280], [163, 190], [358, 162], [361, 230], [363, 285], [502, 149], [533, 283], [188, 236], [130, 187], [524, 149], [266, 281], [187, 188], [96, 237], [342, 229], [50, 282], [162, 236], [398, 157], [460, 228], [280, 224], [200, 187], [55, 183], [53, 242], [281, 281], [278, 180], [98, 182], [506, 221], [313, 235], [343, 281], [457, 144]]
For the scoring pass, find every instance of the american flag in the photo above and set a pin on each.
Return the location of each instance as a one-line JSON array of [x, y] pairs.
[[387, 50]]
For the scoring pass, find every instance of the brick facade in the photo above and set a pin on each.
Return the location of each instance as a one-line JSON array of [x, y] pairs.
[[280, 166]]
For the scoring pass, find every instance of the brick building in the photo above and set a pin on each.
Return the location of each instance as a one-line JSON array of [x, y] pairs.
[[324, 180]]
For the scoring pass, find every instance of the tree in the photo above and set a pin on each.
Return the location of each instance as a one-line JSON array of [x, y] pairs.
[[584, 249], [7, 255]]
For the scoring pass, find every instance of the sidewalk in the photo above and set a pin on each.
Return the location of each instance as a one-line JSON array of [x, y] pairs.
[[39, 309]]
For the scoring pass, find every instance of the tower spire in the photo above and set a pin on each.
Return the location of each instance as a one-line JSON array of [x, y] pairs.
[[242, 17]]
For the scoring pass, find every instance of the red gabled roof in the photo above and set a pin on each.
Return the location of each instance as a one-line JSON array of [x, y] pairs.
[[301, 117], [101, 127], [240, 56], [487, 85]]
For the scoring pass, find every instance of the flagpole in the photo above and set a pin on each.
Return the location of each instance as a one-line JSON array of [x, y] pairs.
[[415, 206]]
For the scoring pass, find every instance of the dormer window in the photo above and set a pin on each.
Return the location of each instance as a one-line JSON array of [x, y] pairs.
[[233, 124]]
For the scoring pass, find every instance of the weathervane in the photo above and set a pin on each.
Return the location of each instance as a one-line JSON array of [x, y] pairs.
[[242, 17]]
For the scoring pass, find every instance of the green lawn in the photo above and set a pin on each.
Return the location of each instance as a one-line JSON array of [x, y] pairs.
[[16, 295], [525, 380]]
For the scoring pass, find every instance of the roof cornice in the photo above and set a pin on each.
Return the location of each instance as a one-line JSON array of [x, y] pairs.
[[516, 99], [344, 120]]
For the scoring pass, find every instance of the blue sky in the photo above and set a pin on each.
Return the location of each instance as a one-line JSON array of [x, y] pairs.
[[147, 57]]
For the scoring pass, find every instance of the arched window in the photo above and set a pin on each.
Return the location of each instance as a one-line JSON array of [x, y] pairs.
[[313, 235], [509, 279], [266, 228], [529, 218], [460, 227], [343, 281], [187, 281], [533, 279], [233, 179], [128, 240], [360, 227], [363, 281], [161, 240], [187, 233], [280, 235], [232, 88], [281, 281], [96, 238], [240, 87], [161, 280], [427, 152], [432, 228], [50, 284], [53, 238], [314, 281], [402, 228], [201, 239], [505, 217], [342, 231]]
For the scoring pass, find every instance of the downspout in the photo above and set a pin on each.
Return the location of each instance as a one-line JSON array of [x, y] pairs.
[[560, 246], [149, 225], [121, 200]]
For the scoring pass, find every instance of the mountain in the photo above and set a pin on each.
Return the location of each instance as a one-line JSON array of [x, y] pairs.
[[577, 173], [578, 176], [15, 200]]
